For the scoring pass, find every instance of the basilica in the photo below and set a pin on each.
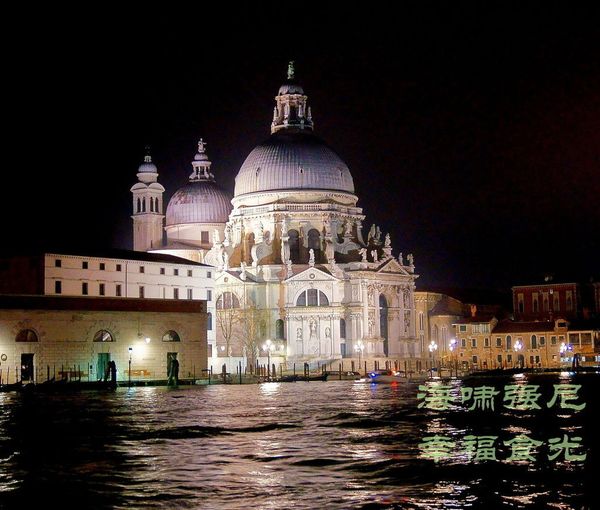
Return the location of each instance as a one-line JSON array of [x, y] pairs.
[[297, 272]]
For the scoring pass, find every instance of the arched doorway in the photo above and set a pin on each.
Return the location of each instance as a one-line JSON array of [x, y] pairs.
[[383, 322]]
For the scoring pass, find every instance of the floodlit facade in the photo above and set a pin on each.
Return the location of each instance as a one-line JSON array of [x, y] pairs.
[[294, 271]]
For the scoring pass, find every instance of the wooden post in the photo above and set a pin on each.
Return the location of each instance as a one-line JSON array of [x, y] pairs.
[[340, 369]]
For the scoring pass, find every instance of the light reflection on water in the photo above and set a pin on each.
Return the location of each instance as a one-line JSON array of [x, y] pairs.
[[344, 445]]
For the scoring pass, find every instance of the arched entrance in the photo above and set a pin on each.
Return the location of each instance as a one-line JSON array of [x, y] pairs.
[[383, 322]]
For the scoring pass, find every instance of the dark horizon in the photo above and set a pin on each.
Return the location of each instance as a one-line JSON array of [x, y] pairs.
[[472, 137]]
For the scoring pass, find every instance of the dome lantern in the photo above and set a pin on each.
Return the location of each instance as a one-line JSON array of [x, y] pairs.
[[291, 111]]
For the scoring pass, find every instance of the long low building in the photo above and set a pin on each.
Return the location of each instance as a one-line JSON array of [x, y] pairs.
[[42, 337]]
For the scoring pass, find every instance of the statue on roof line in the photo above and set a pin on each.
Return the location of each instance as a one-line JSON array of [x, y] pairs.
[[374, 255], [291, 70], [363, 254], [311, 257], [201, 145], [388, 241], [371, 234], [411, 259]]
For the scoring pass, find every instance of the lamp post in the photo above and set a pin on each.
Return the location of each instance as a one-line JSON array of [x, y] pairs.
[[518, 347], [453, 343], [432, 348], [130, 351], [269, 347], [359, 347]]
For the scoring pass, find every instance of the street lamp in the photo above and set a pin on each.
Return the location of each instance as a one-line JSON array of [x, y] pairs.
[[359, 348], [518, 347], [432, 348], [269, 347], [453, 344]]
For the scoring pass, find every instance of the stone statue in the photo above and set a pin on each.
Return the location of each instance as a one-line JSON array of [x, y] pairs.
[[371, 234], [311, 257], [401, 259], [313, 327], [290, 72], [374, 255], [327, 332], [290, 272], [225, 261], [377, 235], [243, 271], [299, 334], [388, 241], [227, 233], [348, 229], [363, 254], [216, 237], [411, 259]]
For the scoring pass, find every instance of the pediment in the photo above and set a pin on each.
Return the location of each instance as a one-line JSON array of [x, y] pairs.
[[312, 274], [392, 266]]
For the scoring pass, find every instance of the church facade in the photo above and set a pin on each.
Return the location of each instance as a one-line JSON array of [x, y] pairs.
[[294, 272]]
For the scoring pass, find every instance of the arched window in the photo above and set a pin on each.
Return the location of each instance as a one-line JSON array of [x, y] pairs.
[[227, 300], [156, 209], [294, 244], [508, 342], [342, 328], [312, 297], [139, 205], [103, 336], [26, 335], [144, 204], [533, 342], [151, 204], [209, 321], [314, 242], [279, 329], [171, 336]]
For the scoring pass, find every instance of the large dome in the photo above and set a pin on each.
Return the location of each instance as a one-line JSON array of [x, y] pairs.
[[293, 161], [199, 202]]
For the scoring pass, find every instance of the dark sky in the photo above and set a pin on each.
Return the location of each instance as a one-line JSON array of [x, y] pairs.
[[473, 135]]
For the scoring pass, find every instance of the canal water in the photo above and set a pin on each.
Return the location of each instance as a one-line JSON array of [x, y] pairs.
[[311, 445]]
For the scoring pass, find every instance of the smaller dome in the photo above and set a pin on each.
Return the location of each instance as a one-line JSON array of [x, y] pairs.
[[147, 167], [199, 202], [290, 87]]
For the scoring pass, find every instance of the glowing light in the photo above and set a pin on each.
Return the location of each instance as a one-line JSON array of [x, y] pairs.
[[147, 339], [518, 345], [433, 346]]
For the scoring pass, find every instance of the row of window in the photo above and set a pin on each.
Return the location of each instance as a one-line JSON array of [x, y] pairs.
[[103, 335], [535, 302], [119, 268], [535, 341], [119, 291]]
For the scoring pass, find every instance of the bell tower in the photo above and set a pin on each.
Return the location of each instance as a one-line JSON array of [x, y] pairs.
[[147, 207]]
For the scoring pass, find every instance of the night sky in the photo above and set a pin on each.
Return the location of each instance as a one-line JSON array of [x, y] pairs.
[[473, 136]]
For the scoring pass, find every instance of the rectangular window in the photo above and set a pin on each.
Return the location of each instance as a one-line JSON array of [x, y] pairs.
[[189, 272], [473, 343], [537, 359], [462, 328], [553, 340], [557, 302], [57, 263], [84, 288], [190, 294], [498, 341], [569, 301], [535, 302], [84, 264], [463, 343], [162, 270], [141, 292], [204, 237], [101, 289], [542, 340], [486, 342], [175, 272], [209, 321], [500, 359], [521, 302], [208, 274], [474, 359], [209, 295], [142, 269], [509, 358], [58, 287], [102, 266], [175, 293], [209, 352], [118, 267], [311, 294], [118, 290]]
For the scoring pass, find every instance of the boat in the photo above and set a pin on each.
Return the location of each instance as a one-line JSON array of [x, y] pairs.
[[385, 377], [11, 387]]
